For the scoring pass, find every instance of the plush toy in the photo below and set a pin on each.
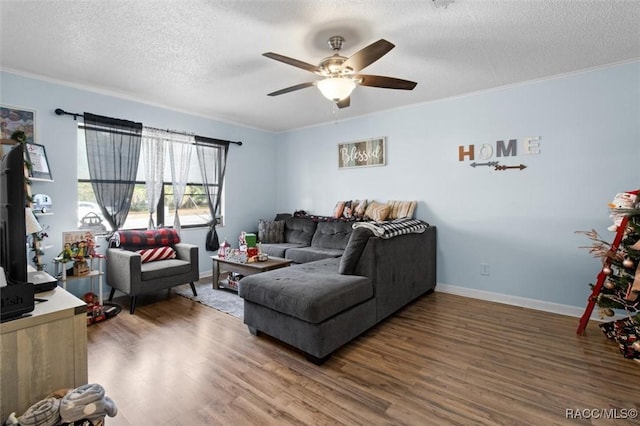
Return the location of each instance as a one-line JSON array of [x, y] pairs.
[[67, 253], [622, 200]]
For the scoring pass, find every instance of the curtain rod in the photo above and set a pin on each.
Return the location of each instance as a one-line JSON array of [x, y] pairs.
[[60, 111]]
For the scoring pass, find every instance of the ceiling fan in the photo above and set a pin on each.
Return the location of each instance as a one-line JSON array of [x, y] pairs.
[[340, 74]]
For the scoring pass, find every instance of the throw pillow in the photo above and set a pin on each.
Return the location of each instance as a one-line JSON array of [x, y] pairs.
[[401, 209], [377, 211], [359, 209], [338, 209], [348, 209], [357, 241], [271, 232], [156, 253], [149, 238]]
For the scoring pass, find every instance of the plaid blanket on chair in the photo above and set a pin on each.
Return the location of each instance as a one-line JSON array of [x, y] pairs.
[[393, 228]]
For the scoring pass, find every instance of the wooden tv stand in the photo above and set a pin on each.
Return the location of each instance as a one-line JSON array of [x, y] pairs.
[[43, 352]]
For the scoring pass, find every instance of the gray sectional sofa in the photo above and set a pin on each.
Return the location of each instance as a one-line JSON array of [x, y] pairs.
[[320, 305]]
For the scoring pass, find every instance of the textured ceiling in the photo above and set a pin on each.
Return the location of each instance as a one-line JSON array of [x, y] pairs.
[[205, 57]]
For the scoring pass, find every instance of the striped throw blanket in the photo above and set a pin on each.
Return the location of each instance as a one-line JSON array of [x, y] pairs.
[[393, 228]]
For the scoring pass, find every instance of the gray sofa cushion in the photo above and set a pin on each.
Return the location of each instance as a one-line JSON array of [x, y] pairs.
[[312, 292], [279, 250], [299, 230], [311, 254], [164, 268], [357, 241], [332, 235]]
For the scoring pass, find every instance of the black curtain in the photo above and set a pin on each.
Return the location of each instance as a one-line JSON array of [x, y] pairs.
[[113, 152], [212, 158]]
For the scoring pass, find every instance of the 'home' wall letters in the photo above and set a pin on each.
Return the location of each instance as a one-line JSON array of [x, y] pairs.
[[530, 146]]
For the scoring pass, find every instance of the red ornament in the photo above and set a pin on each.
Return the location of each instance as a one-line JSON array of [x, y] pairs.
[[606, 270], [609, 285], [627, 263]]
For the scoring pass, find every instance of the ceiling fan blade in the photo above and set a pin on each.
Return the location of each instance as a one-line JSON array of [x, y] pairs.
[[291, 89], [290, 61], [385, 82], [368, 55], [344, 103]]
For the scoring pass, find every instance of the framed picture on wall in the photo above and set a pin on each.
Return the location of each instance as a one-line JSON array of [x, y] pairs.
[[14, 118], [365, 153], [37, 156]]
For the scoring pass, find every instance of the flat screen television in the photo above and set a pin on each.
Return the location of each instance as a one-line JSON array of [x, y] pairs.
[[13, 233]]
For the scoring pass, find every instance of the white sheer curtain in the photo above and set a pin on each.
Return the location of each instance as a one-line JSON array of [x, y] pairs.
[[153, 154], [180, 158]]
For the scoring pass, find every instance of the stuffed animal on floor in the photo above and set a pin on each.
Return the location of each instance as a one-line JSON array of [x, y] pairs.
[[622, 200]]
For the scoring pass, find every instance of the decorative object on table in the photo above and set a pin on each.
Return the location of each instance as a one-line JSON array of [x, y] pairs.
[[224, 249], [14, 119], [365, 153], [237, 255], [251, 239], [252, 247], [242, 242]]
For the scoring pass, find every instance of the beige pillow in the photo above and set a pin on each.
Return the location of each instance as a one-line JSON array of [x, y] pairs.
[[359, 209], [377, 211], [401, 209]]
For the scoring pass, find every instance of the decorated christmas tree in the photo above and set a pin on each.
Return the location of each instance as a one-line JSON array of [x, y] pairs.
[[620, 288]]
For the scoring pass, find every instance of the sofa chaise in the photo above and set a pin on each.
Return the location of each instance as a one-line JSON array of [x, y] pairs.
[[319, 306]]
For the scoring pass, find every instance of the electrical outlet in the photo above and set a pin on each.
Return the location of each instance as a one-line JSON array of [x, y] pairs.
[[484, 269]]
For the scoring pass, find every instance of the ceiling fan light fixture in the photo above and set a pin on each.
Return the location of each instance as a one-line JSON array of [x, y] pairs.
[[336, 88]]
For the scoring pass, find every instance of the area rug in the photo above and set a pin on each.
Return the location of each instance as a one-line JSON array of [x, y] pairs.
[[223, 300]]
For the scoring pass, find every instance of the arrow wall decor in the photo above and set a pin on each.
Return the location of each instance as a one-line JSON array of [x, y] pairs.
[[490, 164], [501, 168]]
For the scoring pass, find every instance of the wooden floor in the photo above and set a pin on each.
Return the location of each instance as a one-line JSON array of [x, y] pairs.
[[442, 360]]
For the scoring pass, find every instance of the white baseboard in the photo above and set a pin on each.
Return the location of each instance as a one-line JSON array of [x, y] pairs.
[[539, 305]]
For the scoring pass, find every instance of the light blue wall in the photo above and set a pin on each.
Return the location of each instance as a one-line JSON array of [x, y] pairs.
[[246, 198], [521, 223]]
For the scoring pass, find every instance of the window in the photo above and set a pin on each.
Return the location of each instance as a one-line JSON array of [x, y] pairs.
[[194, 211]]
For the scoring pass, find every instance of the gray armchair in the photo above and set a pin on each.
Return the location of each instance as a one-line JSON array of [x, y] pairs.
[[126, 271]]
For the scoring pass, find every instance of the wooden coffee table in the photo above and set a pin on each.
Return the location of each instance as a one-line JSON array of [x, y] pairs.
[[221, 264]]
